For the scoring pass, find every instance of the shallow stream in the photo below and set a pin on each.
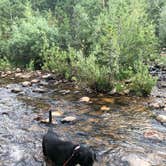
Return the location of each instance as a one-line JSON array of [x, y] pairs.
[[118, 128]]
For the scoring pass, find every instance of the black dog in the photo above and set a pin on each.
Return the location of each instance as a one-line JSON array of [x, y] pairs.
[[65, 153]]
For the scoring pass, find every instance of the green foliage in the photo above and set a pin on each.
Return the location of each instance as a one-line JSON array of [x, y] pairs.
[[124, 35], [5, 64], [93, 74], [29, 39], [60, 61], [154, 8], [142, 81], [162, 27], [96, 42], [161, 61]]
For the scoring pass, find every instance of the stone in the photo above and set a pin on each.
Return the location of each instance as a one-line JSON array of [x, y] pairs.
[[165, 108], [39, 90], [27, 75], [105, 108], [43, 83], [24, 75], [16, 90], [85, 99], [68, 119], [153, 134], [156, 105], [34, 81], [48, 77], [57, 113], [18, 70], [163, 84], [47, 121], [134, 160], [3, 75], [161, 118], [8, 72], [64, 92], [26, 83], [18, 74]]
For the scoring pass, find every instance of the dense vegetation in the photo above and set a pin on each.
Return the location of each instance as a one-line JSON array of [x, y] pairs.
[[100, 43]]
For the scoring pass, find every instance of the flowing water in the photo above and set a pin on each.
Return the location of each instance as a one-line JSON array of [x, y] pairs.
[[115, 127]]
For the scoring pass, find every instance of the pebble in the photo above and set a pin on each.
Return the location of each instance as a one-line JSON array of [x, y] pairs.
[[18, 70], [153, 134], [68, 119], [26, 83], [48, 77], [34, 81], [39, 90], [135, 160], [85, 99], [16, 90], [161, 118]]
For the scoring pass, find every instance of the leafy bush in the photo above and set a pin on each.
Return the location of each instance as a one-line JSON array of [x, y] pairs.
[[97, 42], [29, 40], [93, 74], [162, 27], [59, 61], [142, 81], [124, 35], [5, 64]]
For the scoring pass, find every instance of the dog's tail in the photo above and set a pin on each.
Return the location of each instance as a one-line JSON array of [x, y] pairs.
[[50, 125], [50, 116]]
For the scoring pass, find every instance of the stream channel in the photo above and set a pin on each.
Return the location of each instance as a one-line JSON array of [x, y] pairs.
[[122, 130]]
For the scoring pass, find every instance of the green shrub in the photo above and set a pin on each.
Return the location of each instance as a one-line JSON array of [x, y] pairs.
[[162, 27], [5, 64], [124, 35], [93, 74], [59, 61], [29, 40], [142, 81]]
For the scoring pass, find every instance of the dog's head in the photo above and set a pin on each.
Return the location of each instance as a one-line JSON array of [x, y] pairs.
[[86, 157]]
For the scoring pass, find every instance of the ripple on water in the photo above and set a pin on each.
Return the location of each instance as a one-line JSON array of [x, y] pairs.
[[116, 134]]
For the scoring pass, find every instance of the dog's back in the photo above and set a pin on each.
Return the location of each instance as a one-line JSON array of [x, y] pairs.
[[55, 149], [65, 153]]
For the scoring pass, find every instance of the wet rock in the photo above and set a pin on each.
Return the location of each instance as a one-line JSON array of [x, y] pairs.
[[47, 121], [76, 92], [26, 83], [128, 81], [134, 160], [48, 77], [85, 99], [18, 70], [24, 75], [69, 119], [112, 92], [16, 90], [18, 74], [153, 134], [9, 72], [34, 81], [57, 113], [105, 108], [43, 83], [165, 108], [3, 75], [156, 105], [161, 118], [39, 90], [163, 85], [81, 133], [64, 92]]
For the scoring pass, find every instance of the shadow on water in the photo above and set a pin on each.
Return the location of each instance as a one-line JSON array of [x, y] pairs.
[[113, 126]]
